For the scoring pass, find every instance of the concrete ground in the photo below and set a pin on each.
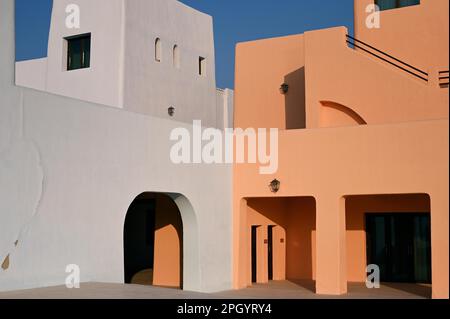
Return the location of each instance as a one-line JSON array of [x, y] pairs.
[[273, 290], [305, 290]]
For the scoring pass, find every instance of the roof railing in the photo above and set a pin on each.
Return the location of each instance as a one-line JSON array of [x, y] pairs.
[[388, 58]]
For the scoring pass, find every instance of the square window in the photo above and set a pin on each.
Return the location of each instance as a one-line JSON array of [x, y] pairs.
[[78, 52]]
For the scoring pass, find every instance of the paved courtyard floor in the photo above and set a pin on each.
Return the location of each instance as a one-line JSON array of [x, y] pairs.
[[273, 290]]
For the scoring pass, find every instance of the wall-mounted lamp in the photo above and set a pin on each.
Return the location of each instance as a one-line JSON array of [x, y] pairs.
[[275, 186], [284, 88], [171, 111]]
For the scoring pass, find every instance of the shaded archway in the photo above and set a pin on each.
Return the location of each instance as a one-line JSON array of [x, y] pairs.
[[336, 114], [153, 241]]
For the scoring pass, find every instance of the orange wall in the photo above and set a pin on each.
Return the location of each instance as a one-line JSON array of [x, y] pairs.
[[322, 72], [356, 208], [417, 35], [378, 92], [266, 212], [403, 149], [329, 164], [167, 269], [262, 67], [301, 238]]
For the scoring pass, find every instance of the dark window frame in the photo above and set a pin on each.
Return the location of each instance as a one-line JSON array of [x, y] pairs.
[[398, 5], [85, 51]]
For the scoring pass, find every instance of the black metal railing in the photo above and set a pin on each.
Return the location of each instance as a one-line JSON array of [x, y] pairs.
[[444, 78], [387, 58]]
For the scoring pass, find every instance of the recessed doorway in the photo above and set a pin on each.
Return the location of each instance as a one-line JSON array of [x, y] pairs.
[[153, 242]]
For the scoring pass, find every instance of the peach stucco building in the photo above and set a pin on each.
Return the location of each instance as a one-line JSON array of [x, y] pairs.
[[363, 152]]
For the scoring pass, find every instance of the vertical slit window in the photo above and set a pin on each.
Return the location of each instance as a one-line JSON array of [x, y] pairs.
[[201, 65], [158, 50], [176, 57]]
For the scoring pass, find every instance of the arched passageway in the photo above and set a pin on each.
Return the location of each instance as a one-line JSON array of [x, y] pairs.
[[153, 242]]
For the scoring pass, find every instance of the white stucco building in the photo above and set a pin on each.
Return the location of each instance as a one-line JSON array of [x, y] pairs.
[[145, 57], [77, 147]]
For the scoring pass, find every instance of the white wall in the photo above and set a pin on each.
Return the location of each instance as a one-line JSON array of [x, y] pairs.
[[32, 74], [152, 87], [123, 71], [229, 108], [102, 82], [225, 108], [70, 169]]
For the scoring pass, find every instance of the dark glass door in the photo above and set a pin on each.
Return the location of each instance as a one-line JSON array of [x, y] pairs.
[[422, 248], [401, 254], [400, 245], [254, 253], [270, 251]]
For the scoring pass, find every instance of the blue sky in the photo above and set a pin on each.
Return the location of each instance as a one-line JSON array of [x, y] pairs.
[[32, 26], [234, 21]]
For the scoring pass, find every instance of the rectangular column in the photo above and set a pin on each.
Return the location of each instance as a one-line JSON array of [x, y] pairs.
[[440, 245], [331, 276], [242, 246]]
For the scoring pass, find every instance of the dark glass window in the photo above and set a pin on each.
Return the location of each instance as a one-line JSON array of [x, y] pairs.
[[78, 52], [393, 4]]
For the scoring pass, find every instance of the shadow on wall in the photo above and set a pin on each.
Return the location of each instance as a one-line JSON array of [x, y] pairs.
[[153, 242], [295, 100], [293, 243], [301, 239], [335, 114]]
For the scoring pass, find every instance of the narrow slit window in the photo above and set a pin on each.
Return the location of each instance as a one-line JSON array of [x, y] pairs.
[[176, 56], [158, 50], [78, 52], [201, 66]]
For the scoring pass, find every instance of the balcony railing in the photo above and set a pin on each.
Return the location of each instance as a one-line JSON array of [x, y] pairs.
[[385, 57], [443, 78]]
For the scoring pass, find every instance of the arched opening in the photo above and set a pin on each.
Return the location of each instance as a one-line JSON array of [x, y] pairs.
[[153, 242], [176, 56], [334, 114], [158, 50]]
